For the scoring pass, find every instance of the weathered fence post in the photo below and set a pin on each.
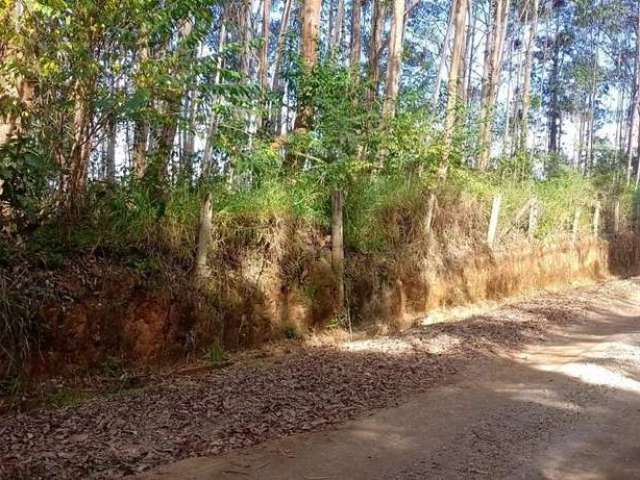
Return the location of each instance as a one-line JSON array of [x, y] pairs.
[[204, 237], [575, 228], [596, 219], [337, 245], [616, 217], [533, 219], [493, 221], [431, 206]]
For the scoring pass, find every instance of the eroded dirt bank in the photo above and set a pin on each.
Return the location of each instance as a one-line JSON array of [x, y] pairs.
[[563, 408], [545, 388]]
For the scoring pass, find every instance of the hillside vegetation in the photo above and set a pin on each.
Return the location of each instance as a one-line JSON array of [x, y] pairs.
[[171, 174]]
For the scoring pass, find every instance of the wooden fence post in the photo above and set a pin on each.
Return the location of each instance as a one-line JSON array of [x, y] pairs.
[[204, 238], [596, 219], [337, 245], [616, 217], [431, 206], [575, 228], [533, 219], [493, 221]]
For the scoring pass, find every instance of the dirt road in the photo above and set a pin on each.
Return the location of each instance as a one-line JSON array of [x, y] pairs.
[[566, 406], [543, 388]]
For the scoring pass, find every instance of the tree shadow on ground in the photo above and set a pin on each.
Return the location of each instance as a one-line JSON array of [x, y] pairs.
[[495, 427]]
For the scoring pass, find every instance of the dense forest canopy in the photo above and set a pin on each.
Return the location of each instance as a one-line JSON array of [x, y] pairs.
[[157, 96]]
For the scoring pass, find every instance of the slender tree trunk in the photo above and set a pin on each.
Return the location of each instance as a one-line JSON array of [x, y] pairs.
[[337, 246], [202, 269], [188, 147], [493, 68], [282, 37], [554, 85], [310, 28], [619, 110], [638, 164], [172, 109], [336, 42], [207, 155], [246, 37], [356, 36], [110, 154], [453, 85], [76, 166], [392, 82], [444, 54], [141, 128], [507, 129], [528, 68], [377, 30], [264, 51], [23, 91], [634, 108], [140, 135], [472, 53], [465, 64], [581, 130]]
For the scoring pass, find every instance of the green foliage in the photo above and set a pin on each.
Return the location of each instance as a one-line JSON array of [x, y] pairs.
[[216, 356], [371, 208], [291, 332], [25, 176]]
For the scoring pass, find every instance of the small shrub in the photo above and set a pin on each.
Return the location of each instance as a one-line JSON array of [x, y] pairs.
[[216, 356]]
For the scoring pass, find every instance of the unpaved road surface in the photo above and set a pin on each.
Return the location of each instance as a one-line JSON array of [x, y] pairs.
[[547, 388], [566, 407]]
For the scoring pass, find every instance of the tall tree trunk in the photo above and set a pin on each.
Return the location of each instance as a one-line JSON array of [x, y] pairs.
[[634, 108], [282, 37], [471, 48], [336, 41], [310, 28], [528, 68], [74, 175], [638, 164], [392, 82], [590, 121], [275, 110], [444, 54], [20, 88], [375, 48], [507, 128], [202, 269], [554, 86], [356, 35], [493, 68], [581, 132], [207, 155], [465, 65], [264, 51], [337, 246], [141, 128], [188, 147], [453, 85], [110, 154], [173, 107], [246, 37]]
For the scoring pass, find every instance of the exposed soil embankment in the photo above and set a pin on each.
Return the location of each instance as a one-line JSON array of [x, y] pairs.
[[279, 285], [269, 397]]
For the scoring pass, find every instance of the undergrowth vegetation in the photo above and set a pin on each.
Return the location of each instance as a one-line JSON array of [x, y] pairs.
[[270, 273]]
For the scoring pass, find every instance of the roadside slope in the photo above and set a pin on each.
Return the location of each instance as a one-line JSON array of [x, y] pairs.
[[566, 408], [497, 415]]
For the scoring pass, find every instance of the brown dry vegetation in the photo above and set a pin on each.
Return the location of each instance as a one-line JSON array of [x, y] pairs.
[[273, 279]]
